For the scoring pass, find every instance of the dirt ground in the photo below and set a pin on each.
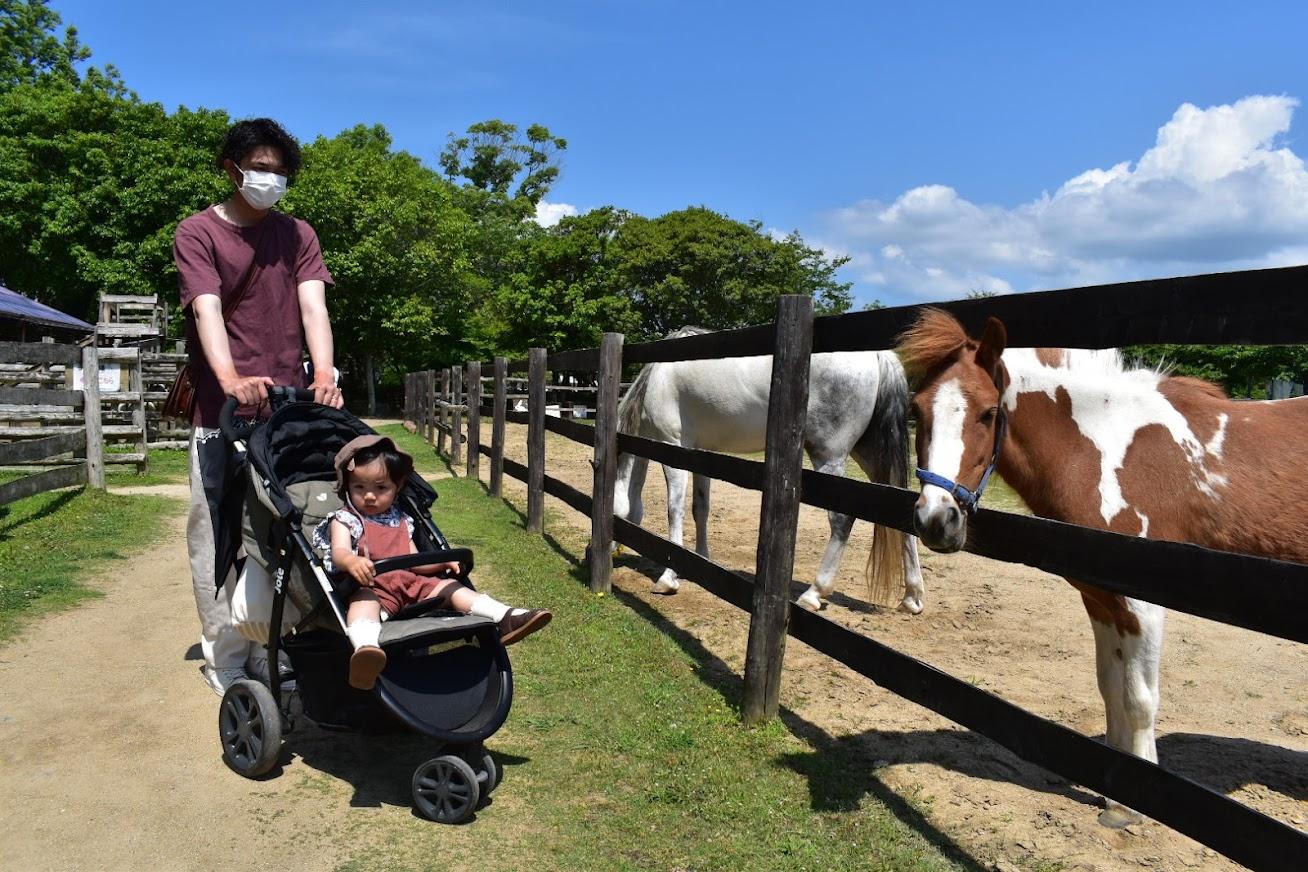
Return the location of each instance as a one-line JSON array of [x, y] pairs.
[[102, 710], [1234, 714]]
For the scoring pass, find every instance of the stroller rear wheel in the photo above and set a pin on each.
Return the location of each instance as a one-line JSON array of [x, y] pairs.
[[250, 728], [445, 789]]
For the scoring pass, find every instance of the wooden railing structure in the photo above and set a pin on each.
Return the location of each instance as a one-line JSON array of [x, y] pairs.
[[1260, 306], [32, 394]]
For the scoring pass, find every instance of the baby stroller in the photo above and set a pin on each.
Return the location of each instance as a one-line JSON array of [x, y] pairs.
[[447, 675]]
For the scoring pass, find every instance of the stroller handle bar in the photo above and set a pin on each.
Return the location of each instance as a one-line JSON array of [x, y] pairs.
[[277, 395], [461, 556]]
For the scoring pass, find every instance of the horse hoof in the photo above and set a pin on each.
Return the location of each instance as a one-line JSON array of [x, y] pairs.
[[1116, 816], [809, 603], [667, 587], [912, 606]]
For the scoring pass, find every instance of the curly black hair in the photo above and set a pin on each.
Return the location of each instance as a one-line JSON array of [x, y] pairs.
[[245, 136]]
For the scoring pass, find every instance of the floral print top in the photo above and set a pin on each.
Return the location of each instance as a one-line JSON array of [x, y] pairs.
[[322, 537]]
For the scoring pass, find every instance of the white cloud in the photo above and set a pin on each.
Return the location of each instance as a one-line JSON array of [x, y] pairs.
[[1219, 190], [549, 214]]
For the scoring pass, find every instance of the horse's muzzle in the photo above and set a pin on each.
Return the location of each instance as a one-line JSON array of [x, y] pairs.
[[941, 527]]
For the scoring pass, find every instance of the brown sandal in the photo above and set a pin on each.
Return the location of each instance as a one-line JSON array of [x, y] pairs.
[[366, 664], [515, 627]]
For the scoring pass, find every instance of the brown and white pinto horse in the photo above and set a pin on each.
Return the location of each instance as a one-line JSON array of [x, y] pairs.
[[1085, 440]]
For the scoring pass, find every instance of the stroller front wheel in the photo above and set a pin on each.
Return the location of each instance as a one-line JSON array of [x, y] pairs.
[[250, 728], [445, 789]]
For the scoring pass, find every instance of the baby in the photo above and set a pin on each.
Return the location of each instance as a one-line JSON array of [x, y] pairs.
[[370, 471]]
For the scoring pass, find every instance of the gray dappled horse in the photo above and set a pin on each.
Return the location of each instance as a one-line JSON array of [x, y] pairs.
[[857, 405]]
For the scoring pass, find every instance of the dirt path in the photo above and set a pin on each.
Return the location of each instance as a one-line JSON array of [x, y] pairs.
[[108, 740], [1234, 713]]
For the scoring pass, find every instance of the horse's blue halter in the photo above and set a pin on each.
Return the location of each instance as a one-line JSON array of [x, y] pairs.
[[966, 498]]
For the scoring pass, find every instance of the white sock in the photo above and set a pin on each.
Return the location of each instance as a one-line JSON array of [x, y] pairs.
[[486, 607], [364, 633]]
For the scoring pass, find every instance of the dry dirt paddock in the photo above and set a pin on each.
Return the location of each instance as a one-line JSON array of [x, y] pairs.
[[1234, 713]]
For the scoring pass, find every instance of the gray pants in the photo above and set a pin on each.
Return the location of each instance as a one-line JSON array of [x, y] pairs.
[[221, 644]]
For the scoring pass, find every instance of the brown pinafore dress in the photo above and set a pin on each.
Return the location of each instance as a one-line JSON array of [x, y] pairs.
[[400, 587]]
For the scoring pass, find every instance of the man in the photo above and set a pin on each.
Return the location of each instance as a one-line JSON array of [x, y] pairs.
[[253, 287]]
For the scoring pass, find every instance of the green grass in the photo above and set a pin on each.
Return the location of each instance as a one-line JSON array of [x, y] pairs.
[[51, 542], [625, 751], [425, 458], [165, 466]]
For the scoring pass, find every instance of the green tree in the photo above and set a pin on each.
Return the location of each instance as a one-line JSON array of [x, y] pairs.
[[561, 289], [30, 51], [492, 155], [92, 180], [399, 248], [92, 185], [1243, 370], [696, 266]]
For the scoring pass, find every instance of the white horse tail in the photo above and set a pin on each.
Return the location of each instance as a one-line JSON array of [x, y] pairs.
[[629, 408], [884, 446]]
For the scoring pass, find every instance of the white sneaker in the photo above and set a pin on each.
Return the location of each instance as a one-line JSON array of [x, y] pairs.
[[221, 679]]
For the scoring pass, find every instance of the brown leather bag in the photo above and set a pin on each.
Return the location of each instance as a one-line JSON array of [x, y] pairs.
[[181, 397]]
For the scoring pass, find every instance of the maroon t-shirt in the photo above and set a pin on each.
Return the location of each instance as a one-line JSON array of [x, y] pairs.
[[264, 331]]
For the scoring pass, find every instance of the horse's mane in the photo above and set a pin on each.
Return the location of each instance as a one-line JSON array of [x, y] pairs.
[[634, 398], [935, 337]]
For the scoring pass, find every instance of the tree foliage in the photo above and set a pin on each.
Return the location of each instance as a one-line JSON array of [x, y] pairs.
[[92, 184], [696, 266], [561, 289], [492, 155], [1243, 370], [396, 243], [30, 51]]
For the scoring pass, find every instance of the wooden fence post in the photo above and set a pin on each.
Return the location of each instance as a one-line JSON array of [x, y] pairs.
[[408, 396], [536, 440], [474, 419], [783, 465], [91, 415], [420, 385], [500, 403], [605, 463], [456, 417], [442, 411], [431, 407]]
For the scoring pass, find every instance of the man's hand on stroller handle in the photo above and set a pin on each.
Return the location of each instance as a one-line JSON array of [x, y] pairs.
[[250, 390], [326, 393]]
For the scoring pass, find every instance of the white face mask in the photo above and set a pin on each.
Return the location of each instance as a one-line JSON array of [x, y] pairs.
[[262, 190]]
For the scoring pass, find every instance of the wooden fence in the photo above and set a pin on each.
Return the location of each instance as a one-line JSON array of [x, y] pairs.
[[32, 394], [1261, 306]]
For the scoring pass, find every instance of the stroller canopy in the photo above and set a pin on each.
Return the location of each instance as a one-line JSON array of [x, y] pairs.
[[298, 443]]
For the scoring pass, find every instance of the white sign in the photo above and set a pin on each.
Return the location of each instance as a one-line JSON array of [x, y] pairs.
[[111, 377]]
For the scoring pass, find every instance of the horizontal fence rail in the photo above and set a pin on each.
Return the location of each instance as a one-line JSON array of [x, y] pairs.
[[1265, 307]]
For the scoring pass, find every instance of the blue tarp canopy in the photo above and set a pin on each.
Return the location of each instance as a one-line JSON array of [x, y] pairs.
[[15, 305]]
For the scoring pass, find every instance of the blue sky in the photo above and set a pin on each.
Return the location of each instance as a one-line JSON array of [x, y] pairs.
[[945, 147]]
